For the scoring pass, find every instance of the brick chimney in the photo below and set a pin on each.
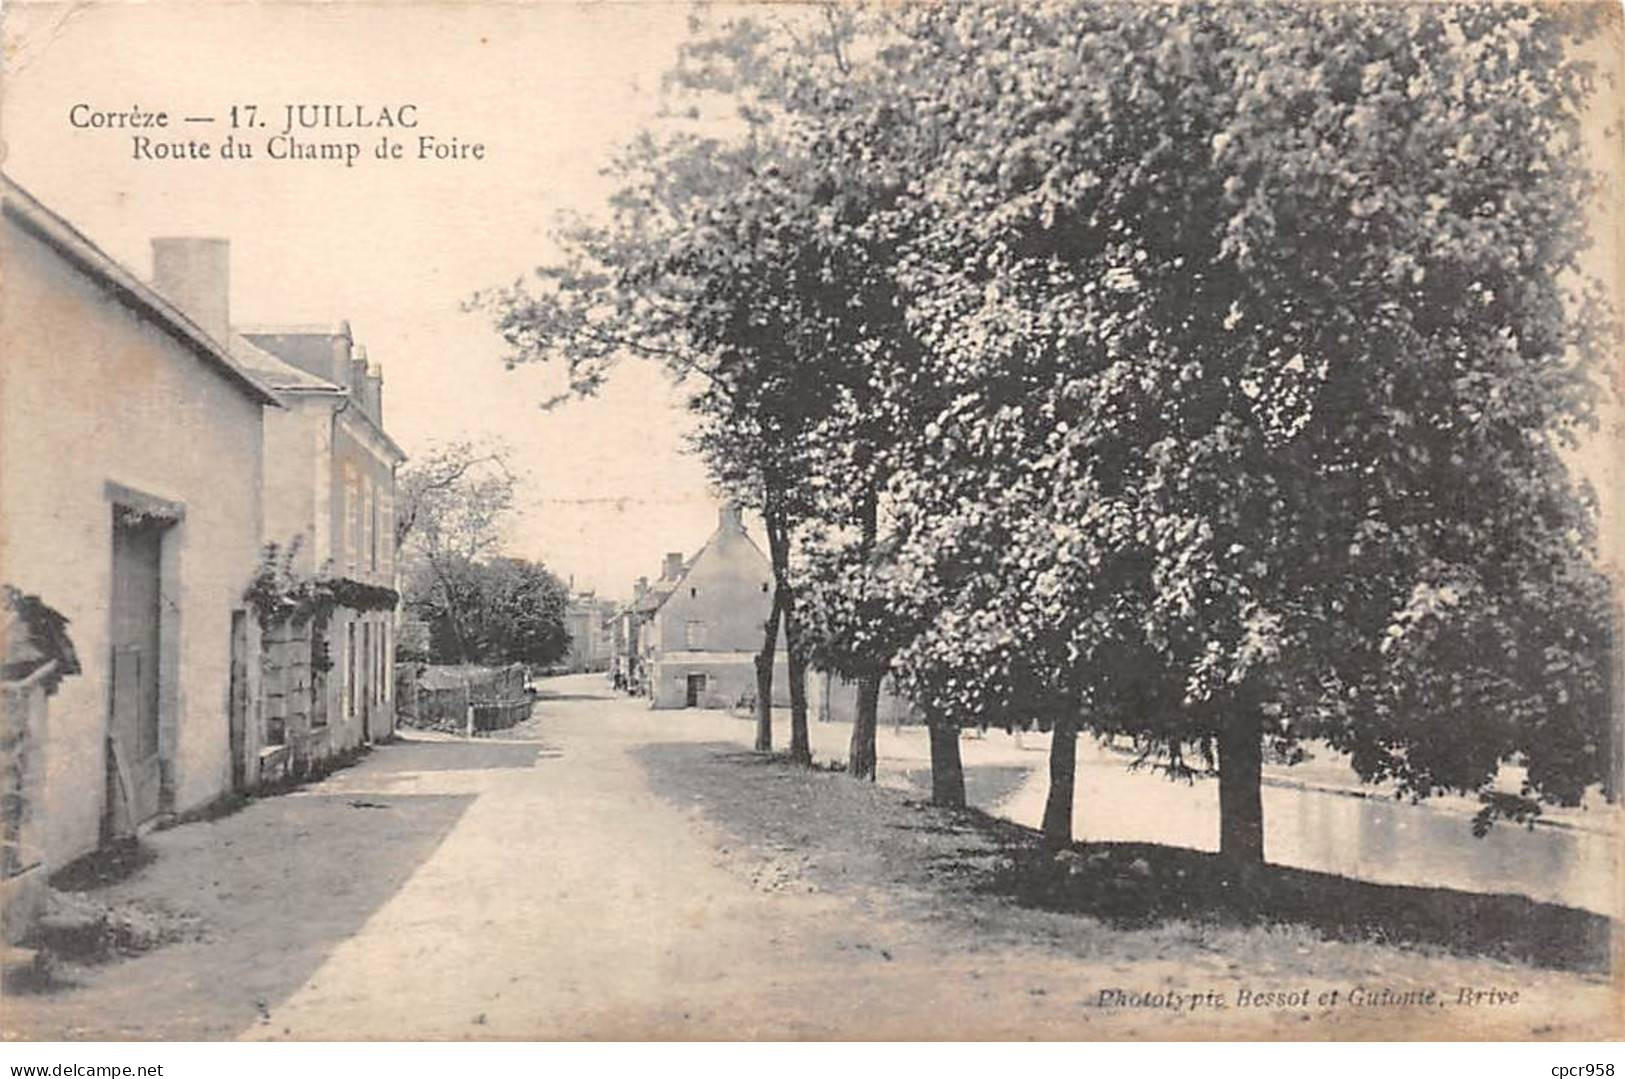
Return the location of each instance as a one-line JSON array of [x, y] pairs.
[[358, 375], [673, 567], [343, 343], [730, 517], [194, 274], [375, 393], [640, 588]]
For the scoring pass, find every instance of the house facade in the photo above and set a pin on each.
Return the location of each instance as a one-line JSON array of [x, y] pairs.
[[131, 459], [623, 664], [697, 630], [329, 508], [589, 622]]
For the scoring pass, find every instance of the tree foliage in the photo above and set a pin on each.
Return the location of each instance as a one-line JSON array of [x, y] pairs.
[[1266, 328], [452, 506], [706, 264], [510, 611], [1199, 373]]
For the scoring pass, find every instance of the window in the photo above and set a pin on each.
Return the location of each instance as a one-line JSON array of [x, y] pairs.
[[372, 528], [351, 516], [694, 635], [364, 511], [386, 527]]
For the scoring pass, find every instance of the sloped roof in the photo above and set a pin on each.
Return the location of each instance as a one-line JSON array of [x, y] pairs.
[[81, 252], [276, 372], [661, 591], [288, 349], [307, 347], [657, 593]]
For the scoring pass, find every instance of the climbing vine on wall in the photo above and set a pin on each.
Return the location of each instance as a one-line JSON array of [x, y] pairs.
[[277, 593]]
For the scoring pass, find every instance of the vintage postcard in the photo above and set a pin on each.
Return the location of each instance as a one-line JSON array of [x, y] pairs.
[[948, 521]]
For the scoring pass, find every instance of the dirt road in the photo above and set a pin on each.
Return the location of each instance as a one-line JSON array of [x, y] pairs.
[[544, 885]]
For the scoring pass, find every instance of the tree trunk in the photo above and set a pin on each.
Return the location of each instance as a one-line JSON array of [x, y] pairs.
[[796, 668], [1063, 781], [452, 605], [764, 679], [861, 758], [947, 772], [778, 548], [1241, 773]]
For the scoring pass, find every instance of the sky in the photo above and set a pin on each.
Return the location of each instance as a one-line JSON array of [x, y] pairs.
[[394, 247]]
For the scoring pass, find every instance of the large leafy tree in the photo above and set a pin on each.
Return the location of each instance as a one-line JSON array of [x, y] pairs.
[[1271, 329], [694, 269], [510, 610], [523, 614], [852, 147], [452, 506], [721, 260], [1201, 373]]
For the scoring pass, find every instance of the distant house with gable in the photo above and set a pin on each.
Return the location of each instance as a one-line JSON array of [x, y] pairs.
[[691, 638]]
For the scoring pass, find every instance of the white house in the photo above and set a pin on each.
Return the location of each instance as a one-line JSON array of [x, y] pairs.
[[131, 449], [329, 503], [700, 625]]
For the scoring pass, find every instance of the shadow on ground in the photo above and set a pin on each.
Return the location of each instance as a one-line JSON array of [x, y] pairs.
[[985, 785], [419, 754], [274, 889], [545, 697], [975, 865], [119, 860], [1144, 884]]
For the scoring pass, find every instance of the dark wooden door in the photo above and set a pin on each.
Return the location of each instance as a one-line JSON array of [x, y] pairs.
[[320, 662], [696, 689], [134, 776]]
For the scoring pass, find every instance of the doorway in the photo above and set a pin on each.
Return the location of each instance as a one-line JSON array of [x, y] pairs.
[[366, 683], [696, 690], [134, 773]]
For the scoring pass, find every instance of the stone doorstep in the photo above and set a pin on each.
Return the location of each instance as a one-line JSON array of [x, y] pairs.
[[273, 763]]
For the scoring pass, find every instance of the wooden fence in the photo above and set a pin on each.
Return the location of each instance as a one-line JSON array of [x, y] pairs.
[[467, 699]]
